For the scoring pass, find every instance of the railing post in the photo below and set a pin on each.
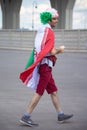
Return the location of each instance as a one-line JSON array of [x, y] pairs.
[[78, 46]]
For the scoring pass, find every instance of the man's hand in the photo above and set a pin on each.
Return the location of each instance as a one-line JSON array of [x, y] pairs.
[[58, 50], [61, 49]]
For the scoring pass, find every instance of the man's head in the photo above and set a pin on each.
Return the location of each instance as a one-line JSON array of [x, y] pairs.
[[49, 16]]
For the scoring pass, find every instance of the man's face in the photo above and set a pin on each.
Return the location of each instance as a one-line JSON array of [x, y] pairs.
[[53, 22]]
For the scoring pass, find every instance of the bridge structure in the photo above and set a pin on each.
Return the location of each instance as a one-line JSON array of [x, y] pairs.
[[11, 13]]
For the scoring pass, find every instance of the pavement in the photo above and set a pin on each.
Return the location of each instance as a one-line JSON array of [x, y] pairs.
[[70, 73]]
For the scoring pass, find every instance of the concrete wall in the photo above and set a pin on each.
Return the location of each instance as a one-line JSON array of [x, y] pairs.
[[72, 39], [21, 39]]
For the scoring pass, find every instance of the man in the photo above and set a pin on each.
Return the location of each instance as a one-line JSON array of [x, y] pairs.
[[41, 69]]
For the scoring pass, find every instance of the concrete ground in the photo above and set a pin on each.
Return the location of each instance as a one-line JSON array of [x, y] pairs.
[[70, 75]]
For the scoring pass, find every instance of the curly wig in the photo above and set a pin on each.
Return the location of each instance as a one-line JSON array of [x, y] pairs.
[[45, 17]]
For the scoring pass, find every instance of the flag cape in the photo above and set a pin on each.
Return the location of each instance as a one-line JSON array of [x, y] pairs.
[[31, 73]]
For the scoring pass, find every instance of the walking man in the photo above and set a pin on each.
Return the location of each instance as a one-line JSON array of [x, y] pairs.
[[39, 74]]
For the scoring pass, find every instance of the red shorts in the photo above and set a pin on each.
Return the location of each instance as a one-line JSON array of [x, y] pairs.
[[46, 81]]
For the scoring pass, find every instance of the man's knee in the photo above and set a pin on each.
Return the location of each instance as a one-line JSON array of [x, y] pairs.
[[54, 94]]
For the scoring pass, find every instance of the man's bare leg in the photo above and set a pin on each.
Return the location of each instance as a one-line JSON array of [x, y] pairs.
[[34, 101], [26, 120], [56, 101], [61, 116]]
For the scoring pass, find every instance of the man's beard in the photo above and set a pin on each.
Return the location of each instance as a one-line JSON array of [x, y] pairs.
[[53, 26]]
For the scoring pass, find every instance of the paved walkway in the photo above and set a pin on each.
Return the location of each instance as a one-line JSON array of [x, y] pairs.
[[70, 75]]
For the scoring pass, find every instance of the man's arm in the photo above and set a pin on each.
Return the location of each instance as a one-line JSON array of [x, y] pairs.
[[58, 50]]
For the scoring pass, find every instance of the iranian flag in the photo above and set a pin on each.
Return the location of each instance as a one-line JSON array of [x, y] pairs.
[[44, 43]]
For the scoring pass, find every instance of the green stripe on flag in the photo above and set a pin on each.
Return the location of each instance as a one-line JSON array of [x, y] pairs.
[[30, 60]]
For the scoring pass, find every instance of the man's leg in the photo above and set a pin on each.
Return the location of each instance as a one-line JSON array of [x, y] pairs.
[[45, 73], [34, 101], [61, 116], [26, 120], [56, 101]]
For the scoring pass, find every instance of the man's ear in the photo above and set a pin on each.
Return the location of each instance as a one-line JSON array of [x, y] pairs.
[[49, 21]]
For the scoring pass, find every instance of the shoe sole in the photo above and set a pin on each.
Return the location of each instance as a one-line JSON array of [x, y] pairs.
[[24, 123], [60, 122]]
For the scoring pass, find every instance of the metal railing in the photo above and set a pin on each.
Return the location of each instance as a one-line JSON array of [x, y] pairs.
[[24, 39]]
